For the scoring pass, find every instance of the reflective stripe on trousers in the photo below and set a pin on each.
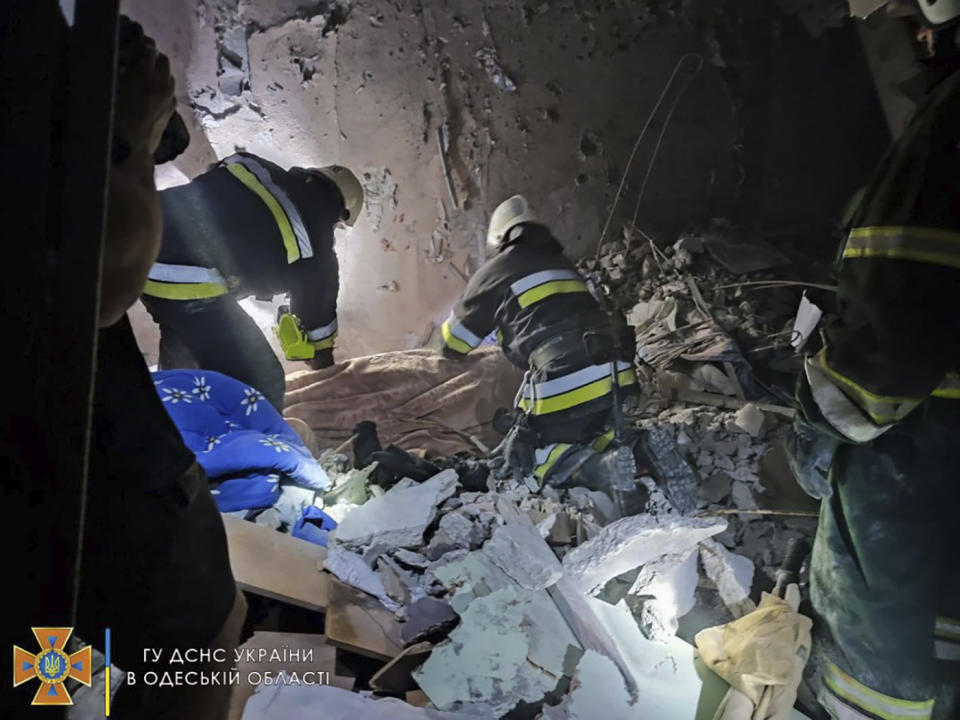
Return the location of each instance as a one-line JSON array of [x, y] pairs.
[[547, 396], [846, 699], [323, 337], [184, 282], [257, 178]]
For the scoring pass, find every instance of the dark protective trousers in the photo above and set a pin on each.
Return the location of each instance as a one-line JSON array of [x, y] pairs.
[[885, 572], [217, 334]]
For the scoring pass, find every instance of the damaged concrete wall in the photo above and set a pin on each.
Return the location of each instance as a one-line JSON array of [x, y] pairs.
[[445, 107]]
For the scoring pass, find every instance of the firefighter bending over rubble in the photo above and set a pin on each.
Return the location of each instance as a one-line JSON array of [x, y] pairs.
[[248, 227], [550, 325]]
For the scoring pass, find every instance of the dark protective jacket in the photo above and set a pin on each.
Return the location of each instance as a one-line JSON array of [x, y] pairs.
[[247, 227], [538, 303], [897, 341]]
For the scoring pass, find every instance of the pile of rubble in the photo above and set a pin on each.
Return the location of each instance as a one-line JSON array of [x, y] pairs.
[[717, 344], [491, 588], [471, 578]]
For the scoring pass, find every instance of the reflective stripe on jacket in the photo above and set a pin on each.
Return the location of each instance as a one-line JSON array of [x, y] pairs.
[[896, 342]]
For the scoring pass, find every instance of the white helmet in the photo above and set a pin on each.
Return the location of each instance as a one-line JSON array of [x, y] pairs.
[[350, 189], [509, 213], [938, 12]]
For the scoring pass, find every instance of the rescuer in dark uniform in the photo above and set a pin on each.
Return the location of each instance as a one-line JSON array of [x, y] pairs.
[[877, 430], [248, 227], [542, 310]]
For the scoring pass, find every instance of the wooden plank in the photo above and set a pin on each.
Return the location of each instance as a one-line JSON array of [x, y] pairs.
[[418, 698], [324, 660], [276, 565], [397, 675], [359, 623]]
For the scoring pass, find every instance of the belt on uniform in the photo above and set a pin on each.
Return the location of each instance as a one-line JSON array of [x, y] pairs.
[[556, 347]]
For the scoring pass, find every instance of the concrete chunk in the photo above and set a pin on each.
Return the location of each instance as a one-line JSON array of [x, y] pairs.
[[666, 586], [522, 554], [731, 573], [351, 569], [399, 517], [485, 659], [471, 577], [750, 419], [597, 684], [632, 542]]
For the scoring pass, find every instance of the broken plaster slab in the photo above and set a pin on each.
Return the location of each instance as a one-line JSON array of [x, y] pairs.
[[731, 573], [632, 542], [663, 593], [487, 657], [597, 683], [471, 577], [522, 554], [399, 517], [351, 569]]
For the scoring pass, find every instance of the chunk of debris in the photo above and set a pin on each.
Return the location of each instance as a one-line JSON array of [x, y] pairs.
[[750, 419], [351, 569], [392, 286], [485, 659], [731, 573], [397, 583], [470, 577], [714, 379], [597, 683], [663, 593], [522, 554], [488, 60], [556, 529], [425, 617], [410, 558], [716, 488], [690, 243], [399, 517], [631, 542], [395, 676], [743, 497]]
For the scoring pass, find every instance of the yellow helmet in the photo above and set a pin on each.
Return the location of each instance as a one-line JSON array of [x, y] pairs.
[[350, 190]]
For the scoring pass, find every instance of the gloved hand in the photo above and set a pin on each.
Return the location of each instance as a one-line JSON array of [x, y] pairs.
[[519, 449], [810, 454]]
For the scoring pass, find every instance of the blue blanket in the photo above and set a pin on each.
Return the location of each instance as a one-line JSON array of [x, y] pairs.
[[241, 441]]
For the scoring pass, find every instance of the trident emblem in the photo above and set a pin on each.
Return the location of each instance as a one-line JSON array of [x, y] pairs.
[[52, 666]]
